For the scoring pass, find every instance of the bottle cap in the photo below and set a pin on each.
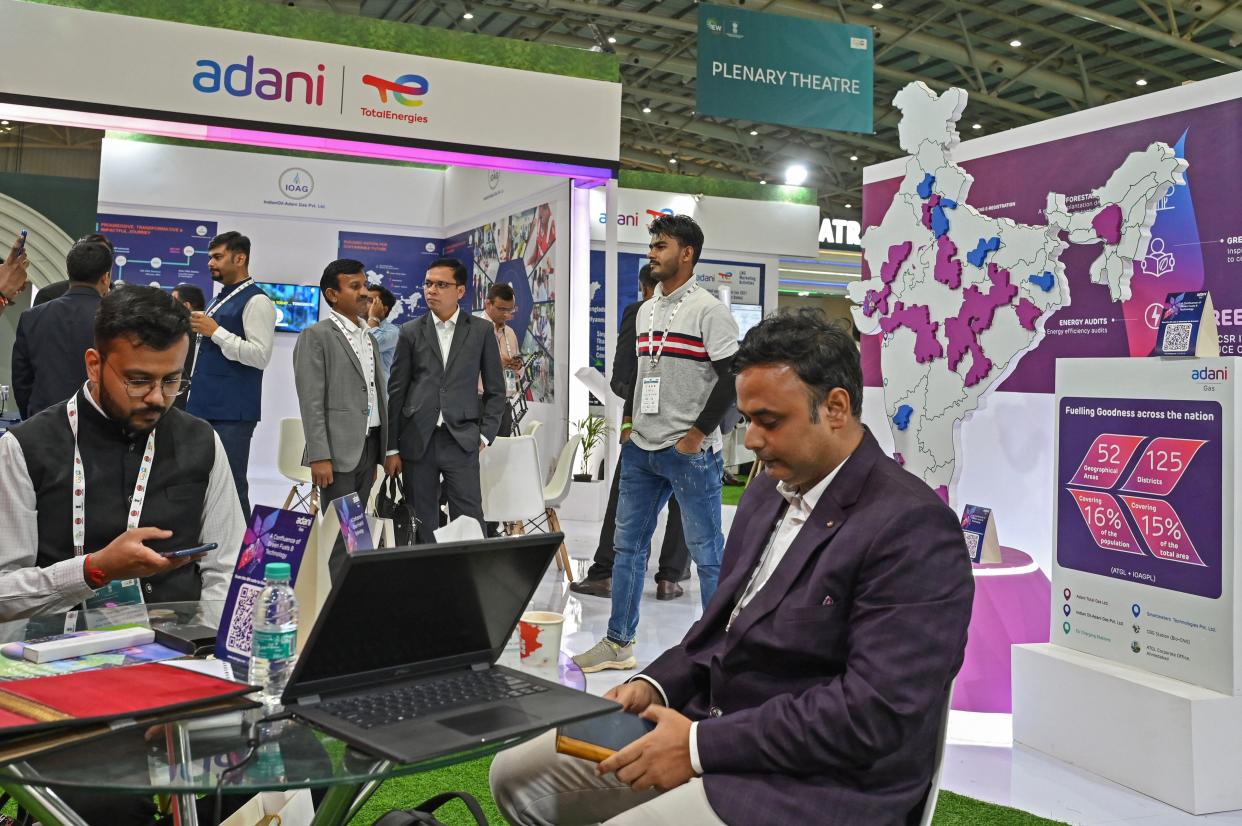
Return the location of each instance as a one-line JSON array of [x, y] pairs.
[[277, 571]]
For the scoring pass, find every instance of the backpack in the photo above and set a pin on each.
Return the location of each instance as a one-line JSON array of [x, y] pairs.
[[422, 814]]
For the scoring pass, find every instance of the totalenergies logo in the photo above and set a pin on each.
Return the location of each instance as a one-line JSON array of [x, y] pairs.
[[405, 90]]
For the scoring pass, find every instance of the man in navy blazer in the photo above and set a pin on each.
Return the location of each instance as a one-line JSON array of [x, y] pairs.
[[813, 688]]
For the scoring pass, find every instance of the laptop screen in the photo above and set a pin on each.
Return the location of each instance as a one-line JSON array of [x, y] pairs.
[[421, 608]]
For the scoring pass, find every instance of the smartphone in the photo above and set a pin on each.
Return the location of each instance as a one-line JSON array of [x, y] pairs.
[[201, 549], [21, 244]]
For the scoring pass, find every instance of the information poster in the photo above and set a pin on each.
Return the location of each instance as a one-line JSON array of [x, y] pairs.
[[159, 252], [398, 262], [1143, 565]]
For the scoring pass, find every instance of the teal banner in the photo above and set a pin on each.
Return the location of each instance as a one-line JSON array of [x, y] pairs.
[[790, 70]]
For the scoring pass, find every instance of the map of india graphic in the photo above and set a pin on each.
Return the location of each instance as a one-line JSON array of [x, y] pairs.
[[959, 297]]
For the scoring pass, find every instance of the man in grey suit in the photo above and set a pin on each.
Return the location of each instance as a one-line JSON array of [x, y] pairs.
[[341, 392], [439, 419]]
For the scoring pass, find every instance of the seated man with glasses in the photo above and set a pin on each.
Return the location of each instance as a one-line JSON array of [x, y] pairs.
[[92, 489]]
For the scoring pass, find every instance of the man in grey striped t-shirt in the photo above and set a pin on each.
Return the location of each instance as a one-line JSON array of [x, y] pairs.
[[686, 342]]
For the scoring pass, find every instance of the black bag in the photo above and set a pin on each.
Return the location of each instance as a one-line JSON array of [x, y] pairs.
[[390, 504], [421, 815]]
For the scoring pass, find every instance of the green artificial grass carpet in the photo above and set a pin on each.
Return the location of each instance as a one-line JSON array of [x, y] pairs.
[[731, 494], [405, 792]]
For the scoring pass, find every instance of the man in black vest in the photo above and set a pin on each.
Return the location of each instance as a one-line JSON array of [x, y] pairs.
[[52, 337], [148, 471], [235, 346]]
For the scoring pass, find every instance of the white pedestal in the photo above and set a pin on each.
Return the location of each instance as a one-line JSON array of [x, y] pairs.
[[1168, 739], [586, 501]]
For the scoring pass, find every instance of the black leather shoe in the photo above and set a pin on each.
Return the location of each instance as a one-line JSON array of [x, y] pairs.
[[668, 590], [593, 587]]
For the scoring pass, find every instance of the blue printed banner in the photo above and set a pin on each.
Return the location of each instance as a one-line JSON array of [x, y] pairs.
[[765, 67], [159, 252]]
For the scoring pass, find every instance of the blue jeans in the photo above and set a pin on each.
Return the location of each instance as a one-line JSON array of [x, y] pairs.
[[648, 478]]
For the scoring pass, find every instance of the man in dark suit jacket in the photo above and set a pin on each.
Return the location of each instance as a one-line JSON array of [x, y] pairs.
[[437, 419], [192, 298], [813, 688], [52, 338], [674, 555]]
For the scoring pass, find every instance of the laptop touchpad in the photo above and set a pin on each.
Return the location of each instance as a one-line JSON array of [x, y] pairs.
[[487, 721]]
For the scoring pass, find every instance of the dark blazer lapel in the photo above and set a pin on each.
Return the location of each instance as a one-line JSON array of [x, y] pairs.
[[339, 335], [428, 329], [460, 330], [761, 521], [830, 513]]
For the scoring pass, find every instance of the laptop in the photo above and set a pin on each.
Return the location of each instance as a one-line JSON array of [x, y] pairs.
[[401, 662]]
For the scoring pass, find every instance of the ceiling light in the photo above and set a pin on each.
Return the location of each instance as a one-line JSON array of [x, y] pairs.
[[672, 160], [754, 132], [467, 16], [849, 206], [646, 109], [763, 182], [4, 123], [853, 157], [1015, 43], [804, 293], [877, 6], [612, 39], [977, 126], [1140, 82], [796, 174]]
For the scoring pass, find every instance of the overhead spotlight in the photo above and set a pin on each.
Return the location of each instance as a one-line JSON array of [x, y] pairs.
[[849, 206], [646, 108], [4, 123], [853, 157], [763, 182], [804, 293], [977, 126], [602, 43], [796, 174], [612, 39], [468, 16], [1140, 82], [1015, 43], [754, 132], [877, 6], [673, 161]]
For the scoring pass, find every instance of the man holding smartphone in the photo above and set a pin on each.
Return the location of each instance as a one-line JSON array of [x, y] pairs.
[[95, 488]]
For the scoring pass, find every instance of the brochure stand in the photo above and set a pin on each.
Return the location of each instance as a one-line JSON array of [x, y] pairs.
[[1142, 681]]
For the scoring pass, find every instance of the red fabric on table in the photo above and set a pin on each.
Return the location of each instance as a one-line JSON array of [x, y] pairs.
[[111, 692]]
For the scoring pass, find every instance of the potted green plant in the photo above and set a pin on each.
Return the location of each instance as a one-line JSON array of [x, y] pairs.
[[592, 429]]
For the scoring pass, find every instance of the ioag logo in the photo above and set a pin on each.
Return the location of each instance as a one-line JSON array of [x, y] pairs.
[[296, 183]]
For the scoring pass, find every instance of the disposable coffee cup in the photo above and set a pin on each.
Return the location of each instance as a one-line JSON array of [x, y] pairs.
[[539, 634]]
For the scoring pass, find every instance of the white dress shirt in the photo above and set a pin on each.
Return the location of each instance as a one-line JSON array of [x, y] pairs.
[[362, 344], [444, 332], [259, 322], [798, 509], [26, 589]]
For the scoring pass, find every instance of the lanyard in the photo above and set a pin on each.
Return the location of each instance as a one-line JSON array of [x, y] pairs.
[[369, 361], [504, 336], [216, 305], [655, 352], [79, 483]]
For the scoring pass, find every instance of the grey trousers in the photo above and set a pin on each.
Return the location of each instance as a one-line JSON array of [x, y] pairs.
[[535, 786], [443, 459]]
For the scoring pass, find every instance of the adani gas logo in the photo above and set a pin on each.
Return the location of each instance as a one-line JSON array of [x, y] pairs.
[[266, 83], [407, 90], [1210, 374]]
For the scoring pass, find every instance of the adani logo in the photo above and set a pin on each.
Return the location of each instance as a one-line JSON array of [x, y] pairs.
[[405, 90], [243, 80]]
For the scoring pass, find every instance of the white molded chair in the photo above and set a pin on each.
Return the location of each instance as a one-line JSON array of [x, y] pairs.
[[554, 493], [510, 480], [461, 528], [289, 462], [533, 427]]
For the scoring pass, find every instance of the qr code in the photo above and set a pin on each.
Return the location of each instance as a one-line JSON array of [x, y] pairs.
[[972, 544], [241, 625], [1176, 337]]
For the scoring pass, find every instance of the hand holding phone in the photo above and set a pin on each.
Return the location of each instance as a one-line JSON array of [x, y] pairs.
[[195, 551], [19, 249]]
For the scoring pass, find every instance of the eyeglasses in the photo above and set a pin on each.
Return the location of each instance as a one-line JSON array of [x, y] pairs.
[[505, 310], [439, 285], [141, 388]]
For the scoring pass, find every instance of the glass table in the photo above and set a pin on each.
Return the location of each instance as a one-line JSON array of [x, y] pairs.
[[212, 755]]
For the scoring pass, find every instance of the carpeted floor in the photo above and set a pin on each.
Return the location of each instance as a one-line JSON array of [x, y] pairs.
[[403, 792]]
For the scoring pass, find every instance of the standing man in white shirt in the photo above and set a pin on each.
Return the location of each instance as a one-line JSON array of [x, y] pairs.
[[438, 419], [235, 345], [499, 309], [341, 393]]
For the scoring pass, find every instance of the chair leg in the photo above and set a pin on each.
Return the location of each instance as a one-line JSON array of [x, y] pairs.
[[562, 553], [292, 492]]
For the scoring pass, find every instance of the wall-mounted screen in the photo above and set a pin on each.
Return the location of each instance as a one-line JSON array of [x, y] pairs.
[[297, 305], [746, 316]]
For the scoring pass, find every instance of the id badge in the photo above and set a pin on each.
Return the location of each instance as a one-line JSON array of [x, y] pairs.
[[510, 382], [650, 402]]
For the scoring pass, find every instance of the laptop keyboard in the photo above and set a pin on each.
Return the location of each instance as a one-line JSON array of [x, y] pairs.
[[408, 702]]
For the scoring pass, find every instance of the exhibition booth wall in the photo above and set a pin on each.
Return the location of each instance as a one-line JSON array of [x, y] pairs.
[[395, 219]]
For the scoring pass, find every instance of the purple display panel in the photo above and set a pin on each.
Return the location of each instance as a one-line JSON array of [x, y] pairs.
[[1170, 535], [159, 252], [398, 262], [274, 535], [1189, 249]]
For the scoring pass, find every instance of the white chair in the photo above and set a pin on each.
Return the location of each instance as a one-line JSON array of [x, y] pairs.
[[461, 528], [289, 463], [933, 792], [510, 480], [533, 427], [554, 493]]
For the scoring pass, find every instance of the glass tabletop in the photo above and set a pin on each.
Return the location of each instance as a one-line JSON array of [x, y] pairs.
[[193, 755]]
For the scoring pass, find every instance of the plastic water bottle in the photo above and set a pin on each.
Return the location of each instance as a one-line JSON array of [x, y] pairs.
[[275, 634]]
